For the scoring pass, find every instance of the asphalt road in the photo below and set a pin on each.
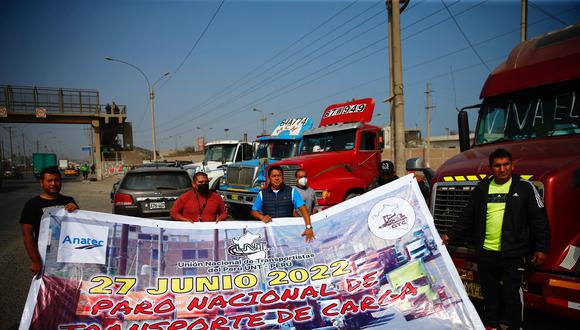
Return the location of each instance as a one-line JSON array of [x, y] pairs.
[[94, 196], [15, 276]]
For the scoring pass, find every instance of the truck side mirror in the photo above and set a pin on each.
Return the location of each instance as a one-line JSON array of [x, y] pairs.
[[463, 126], [414, 164], [381, 137]]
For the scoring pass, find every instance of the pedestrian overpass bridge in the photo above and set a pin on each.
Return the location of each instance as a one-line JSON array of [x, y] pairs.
[[46, 105]]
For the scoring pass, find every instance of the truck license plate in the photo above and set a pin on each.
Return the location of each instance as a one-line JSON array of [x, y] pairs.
[[473, 289], [235, 197], [156, 205]]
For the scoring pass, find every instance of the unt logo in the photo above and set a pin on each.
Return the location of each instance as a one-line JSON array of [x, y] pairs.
[[246, 245]]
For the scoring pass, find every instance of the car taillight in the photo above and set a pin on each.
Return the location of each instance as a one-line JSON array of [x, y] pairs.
[[123, 199]]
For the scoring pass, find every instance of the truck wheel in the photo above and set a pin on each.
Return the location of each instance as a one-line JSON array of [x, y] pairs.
[[351, 195]]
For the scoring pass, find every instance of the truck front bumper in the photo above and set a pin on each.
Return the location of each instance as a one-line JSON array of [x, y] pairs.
[[237, 197]]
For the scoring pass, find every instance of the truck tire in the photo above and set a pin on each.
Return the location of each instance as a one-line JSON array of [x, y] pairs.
[[351, 195]]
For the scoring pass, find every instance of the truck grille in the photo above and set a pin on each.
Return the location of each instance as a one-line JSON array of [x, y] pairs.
[[240, 176], [290, 174], [450, 199]]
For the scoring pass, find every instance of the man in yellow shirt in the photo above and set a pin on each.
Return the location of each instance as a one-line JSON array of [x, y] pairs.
[[507, 220]]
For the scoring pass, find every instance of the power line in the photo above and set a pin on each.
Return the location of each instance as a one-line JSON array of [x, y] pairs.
[[273, 94], [194, 46], [273, 77], [423, 63], [255, 73], [256, 86], [282, 72], [548, 14], [465, 36], [461, 69], [270, 97], [443, 20]]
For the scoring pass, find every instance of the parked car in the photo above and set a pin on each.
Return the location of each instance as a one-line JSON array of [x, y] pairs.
[[149, 191], [161, 163], [71, 171], [13, 172]]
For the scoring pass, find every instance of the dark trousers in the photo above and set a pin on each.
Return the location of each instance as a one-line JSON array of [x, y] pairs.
[[501, 283]]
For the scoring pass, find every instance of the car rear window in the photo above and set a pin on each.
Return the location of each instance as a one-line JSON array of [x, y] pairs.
[[156, 181]]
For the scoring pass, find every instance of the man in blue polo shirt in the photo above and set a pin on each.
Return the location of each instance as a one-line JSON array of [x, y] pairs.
[[279, 201]]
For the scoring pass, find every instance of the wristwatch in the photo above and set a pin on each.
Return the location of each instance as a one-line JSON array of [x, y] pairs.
[[308, 226]]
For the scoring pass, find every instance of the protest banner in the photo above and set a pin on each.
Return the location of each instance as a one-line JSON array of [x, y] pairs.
[[377, 262]]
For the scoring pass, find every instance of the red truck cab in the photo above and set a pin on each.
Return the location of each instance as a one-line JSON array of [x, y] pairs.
[[531, 108], [342, 155]]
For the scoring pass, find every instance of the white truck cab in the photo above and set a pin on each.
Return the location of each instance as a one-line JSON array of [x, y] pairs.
[[218, 154]]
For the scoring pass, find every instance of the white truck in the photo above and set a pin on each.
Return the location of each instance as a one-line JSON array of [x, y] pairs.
[[218, 154]]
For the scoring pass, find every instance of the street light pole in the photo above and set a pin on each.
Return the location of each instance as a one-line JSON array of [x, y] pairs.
[[264, 119], [226, 130], [151, 100]]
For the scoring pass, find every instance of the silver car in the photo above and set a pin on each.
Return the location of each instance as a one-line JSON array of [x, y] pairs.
[[150, 192]]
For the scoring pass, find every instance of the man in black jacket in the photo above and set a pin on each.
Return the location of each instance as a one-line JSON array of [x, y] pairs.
[[506, 220]]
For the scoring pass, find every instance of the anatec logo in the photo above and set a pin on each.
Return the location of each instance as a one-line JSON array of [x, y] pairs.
[[82, 243]]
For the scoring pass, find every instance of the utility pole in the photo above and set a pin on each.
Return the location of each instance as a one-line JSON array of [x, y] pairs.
[[524, 22], [391, 112], [11, 150], [23, 148], [398, 102], [428, 107], [91, 153]]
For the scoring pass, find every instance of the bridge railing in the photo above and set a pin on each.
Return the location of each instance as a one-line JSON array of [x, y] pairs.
[[26, 99]]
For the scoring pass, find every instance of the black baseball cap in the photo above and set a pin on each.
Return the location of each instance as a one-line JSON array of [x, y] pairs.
[[387, 167]]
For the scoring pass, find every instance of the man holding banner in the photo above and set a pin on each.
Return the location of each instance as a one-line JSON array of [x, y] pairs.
[[507, 220], [371, 267], [279, 201], [50, 182], [199, 204]]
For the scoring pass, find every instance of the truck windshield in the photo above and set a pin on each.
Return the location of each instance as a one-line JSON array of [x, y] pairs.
[[331, 141], [220, 152], [277, 149], [548, 111]]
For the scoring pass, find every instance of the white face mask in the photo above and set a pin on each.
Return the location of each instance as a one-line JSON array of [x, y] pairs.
[[302, 181]]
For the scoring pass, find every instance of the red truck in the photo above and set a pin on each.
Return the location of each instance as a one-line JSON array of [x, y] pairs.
[[342, 155], [531, 107]]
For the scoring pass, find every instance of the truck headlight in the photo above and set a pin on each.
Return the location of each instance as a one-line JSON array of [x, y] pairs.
[[259, 184]]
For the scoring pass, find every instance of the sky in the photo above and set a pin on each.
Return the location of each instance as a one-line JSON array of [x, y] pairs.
[[225, 58]]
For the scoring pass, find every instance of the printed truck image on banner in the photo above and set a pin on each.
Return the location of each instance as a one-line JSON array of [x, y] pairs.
[[376, 263]]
